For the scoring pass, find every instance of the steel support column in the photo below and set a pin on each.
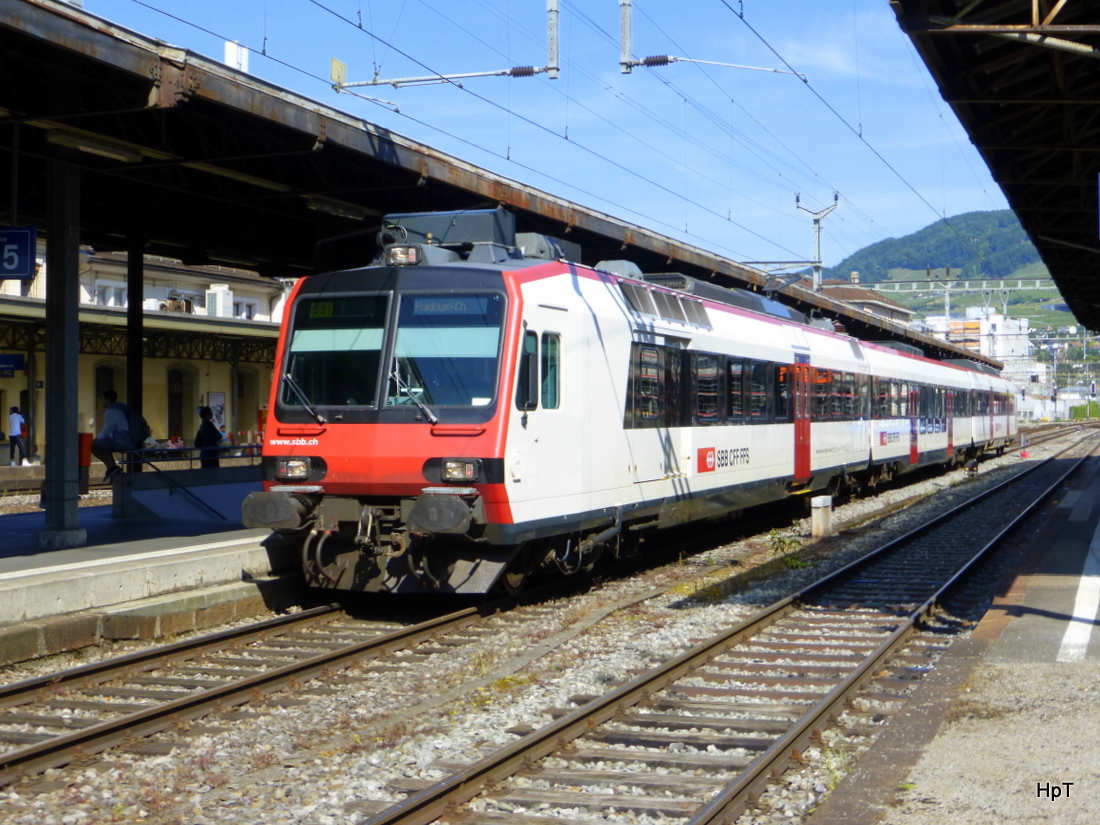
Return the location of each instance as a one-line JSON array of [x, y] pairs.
[[135, 323], [60, 490]]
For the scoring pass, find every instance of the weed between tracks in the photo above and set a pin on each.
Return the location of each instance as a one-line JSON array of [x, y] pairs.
[[835, 765]]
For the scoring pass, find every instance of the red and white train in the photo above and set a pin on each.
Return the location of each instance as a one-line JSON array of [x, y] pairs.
[[473, 407]]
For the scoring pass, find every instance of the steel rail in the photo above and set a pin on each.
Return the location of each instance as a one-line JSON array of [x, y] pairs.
[[427, 805], [96, 672], [731, 802], [63, 749]]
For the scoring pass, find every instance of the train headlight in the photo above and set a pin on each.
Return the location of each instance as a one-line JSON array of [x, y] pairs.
[[292, 468], [402, 255], [467, 470]]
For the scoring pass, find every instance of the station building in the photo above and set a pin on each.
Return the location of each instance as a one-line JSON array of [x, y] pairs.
[[209, 339]]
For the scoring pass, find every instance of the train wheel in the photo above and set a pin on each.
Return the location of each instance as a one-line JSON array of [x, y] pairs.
[[514, 577]]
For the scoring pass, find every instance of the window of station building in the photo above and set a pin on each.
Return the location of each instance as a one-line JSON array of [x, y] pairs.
[[707, 389], [551, 370]]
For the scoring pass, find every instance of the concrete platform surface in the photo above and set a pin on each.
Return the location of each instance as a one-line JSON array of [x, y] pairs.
[[165, 573]]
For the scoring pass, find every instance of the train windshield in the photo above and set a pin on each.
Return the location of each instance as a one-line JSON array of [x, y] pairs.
[[447, 350], [335, 350]]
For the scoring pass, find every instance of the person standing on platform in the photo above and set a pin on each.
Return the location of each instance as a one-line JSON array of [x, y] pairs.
[[115, 435], [207, 439], [16, 422]]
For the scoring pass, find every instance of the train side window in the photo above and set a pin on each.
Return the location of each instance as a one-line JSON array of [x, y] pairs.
[[673, 412], [863, 396], [648, 396], [784, 378], [759, 374], [847, 406], [527, 378], [821, 391], [707, 389], [653, 395], [735, 390], [551, 371], [900, 399], [924, 407]]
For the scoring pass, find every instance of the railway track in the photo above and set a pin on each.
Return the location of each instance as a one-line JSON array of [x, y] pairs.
[[698, 738], [51, 720]]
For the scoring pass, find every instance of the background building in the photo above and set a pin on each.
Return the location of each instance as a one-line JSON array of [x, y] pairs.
[[209, 339]]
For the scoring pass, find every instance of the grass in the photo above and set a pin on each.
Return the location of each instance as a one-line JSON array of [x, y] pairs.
[[835, 764]]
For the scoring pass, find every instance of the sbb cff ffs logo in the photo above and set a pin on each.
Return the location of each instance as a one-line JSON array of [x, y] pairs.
[[710, 459], [707, 460]]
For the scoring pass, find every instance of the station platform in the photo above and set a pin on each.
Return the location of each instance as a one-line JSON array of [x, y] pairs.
[[133, 578], [1007, 726]]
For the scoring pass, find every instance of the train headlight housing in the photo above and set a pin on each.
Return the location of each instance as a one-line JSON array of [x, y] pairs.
[[292, 468], [466, 470], [403, 255]]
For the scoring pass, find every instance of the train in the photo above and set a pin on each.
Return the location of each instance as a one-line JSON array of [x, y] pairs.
[[475, 407]]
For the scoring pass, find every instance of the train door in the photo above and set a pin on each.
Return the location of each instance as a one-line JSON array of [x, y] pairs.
[[914, 423], [800, 410], [949, 411], [547, 460]]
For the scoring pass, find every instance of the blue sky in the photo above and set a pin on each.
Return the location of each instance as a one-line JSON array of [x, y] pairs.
[[710, 155]]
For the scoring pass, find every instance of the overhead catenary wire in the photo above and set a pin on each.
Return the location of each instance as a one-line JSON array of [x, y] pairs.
[[858, 134], [797, 164], [390, 47], [767, 160], [655, 221], [620, 166]]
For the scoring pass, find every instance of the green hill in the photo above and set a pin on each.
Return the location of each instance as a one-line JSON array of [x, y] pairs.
[[974, 245]]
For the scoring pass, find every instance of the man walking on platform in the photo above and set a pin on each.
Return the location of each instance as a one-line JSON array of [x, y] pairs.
[[16, 422]]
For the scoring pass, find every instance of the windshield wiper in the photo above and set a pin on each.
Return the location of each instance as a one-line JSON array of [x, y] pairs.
[[428, 414], [320, 419]]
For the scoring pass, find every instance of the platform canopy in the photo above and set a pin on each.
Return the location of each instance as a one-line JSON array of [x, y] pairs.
[[184, 157], [1023, 77]]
